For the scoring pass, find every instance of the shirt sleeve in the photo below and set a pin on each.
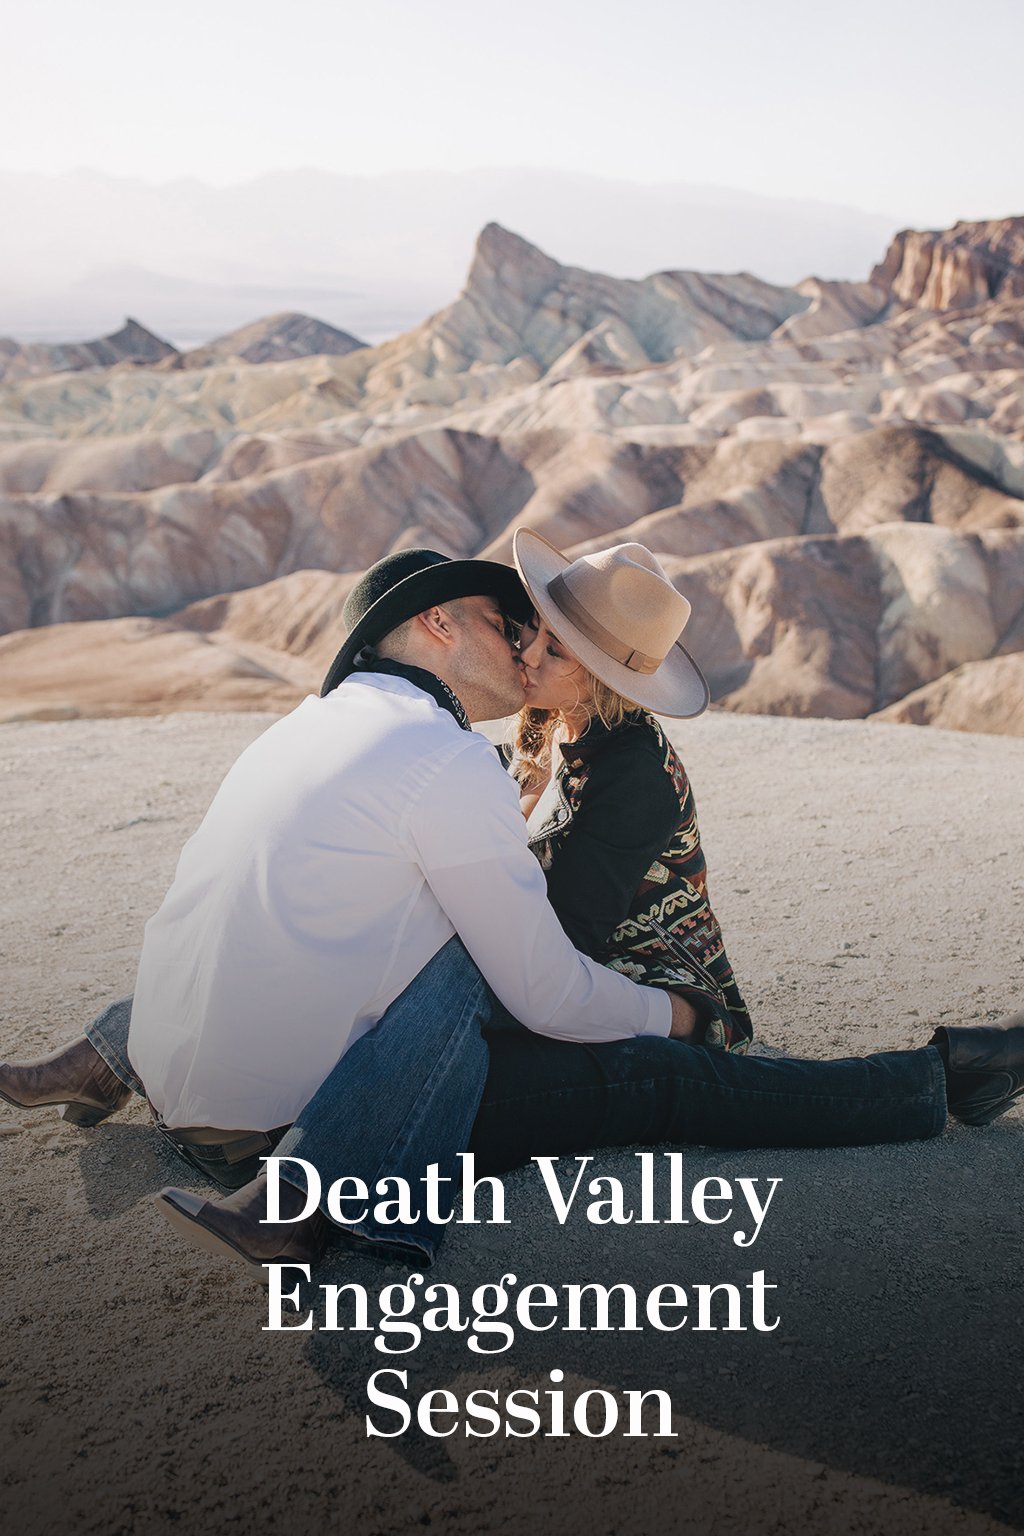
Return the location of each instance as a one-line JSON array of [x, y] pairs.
[[628, 813], [470, 840]]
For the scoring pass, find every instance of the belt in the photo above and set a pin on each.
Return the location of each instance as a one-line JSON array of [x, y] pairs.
[[235, 1145]]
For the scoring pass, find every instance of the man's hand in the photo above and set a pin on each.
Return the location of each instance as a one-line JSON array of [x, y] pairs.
[[684, 1018]]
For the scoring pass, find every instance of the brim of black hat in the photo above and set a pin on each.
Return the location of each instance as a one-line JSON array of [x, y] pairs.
[[437, 584]]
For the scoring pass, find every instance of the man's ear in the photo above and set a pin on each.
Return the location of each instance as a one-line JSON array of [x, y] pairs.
[[438, 624]]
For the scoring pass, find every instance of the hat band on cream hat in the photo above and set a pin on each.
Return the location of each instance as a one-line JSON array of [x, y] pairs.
[[620, 615], [585, 622]]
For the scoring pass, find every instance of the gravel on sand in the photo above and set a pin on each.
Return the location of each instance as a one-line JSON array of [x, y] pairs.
[[870, 880]]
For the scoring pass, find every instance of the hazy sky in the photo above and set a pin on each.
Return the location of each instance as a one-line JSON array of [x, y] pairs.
[[912, 108]]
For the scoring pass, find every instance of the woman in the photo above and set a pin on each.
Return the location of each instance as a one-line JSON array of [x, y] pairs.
[[609, 807]]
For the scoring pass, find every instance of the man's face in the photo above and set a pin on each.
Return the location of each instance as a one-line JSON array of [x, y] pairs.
[[487, 661]]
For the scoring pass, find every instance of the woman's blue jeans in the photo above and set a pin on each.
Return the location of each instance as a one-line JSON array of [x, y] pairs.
[[447, 1070]]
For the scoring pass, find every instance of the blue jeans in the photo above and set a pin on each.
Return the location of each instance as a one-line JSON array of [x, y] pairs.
[[447, 1070]]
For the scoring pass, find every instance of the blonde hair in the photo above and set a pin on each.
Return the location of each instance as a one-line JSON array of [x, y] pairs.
[[535, 731]]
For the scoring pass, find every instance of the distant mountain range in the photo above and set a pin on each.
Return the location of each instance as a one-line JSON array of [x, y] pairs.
[[833, 472], [371, 255]]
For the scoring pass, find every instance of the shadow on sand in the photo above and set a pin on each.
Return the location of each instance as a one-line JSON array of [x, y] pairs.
[[900, 1351]]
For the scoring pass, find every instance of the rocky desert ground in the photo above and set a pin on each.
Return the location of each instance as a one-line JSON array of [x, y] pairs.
[[138, 1393], [833, 472]]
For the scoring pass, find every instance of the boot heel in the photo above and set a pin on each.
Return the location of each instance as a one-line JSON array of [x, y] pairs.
[[84, 1114]]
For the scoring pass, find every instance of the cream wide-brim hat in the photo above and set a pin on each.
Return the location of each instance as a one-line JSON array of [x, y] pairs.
[[618, 612]]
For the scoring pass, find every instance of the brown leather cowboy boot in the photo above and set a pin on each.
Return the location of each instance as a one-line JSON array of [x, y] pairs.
[[234, 1228], [75, 1076]]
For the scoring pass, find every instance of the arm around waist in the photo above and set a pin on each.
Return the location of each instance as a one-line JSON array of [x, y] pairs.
[[471, 843]]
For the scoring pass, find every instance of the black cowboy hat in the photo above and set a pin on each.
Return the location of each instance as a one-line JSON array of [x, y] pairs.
[[410, 581]]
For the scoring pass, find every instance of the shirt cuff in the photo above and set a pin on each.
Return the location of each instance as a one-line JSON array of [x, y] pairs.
[[660, 1017]]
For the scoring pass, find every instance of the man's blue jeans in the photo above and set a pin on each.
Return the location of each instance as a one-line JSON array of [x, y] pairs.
[[447, 1070]]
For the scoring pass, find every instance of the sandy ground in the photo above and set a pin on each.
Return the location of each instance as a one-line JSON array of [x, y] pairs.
[[871, 883]]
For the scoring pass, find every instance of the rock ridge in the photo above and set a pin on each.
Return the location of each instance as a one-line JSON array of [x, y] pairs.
[[133, 343], [956, 268]]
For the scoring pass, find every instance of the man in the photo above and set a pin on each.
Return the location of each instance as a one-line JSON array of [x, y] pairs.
[[319, 898], [342, 851]]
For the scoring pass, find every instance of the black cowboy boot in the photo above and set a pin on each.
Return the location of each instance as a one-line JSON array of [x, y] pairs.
[[984, 1068]]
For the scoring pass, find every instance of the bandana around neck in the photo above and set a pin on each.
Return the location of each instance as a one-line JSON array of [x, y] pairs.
[[367, 660]]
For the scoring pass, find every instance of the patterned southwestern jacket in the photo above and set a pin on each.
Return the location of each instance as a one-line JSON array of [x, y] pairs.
[[616, 832]]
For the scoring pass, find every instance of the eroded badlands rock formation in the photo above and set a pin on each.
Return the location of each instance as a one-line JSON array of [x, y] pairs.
[[276, 339], [834, 473], [131, 344], [955, 268]]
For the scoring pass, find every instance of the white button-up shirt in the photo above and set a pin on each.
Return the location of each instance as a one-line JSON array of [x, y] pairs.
[[343, 849]]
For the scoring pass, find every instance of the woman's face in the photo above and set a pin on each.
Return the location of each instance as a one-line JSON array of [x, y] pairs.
[[554, 679]]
